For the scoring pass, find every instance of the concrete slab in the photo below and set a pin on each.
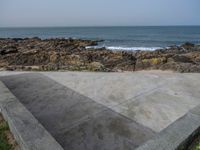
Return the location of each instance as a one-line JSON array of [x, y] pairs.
[[74, 106], [48, 100], [76, 121], [158, 109], [160, 98], [109, 89], [10, 73], [196, 110], [28, 132], [106, 131], [175, 136]]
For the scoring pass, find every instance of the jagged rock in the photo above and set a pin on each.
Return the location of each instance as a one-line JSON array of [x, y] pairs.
[[8, 51], [187, 45], [71, 54], [96, 66], [181, 58]]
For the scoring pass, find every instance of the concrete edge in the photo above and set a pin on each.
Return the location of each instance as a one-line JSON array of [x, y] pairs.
[[28, 132], [178, 135]]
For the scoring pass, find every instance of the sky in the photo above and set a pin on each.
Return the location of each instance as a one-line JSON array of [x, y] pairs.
[[41, 13]]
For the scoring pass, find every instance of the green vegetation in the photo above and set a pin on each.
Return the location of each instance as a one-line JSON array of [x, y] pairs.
[[7, 141], [4, 145], [196, 147]]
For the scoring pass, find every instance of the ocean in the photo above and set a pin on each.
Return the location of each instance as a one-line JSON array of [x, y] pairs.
[[115, 38]]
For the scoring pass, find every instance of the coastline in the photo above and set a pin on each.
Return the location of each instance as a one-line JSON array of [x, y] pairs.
[[37, 54]]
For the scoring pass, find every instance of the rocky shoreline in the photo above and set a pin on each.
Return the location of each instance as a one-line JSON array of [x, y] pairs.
[[71, 54]]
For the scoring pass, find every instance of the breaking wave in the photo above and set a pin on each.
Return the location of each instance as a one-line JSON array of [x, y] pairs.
[[126, 48]]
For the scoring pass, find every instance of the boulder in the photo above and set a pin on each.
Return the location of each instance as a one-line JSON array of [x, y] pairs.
[[187, 45], [96, 66], [181, 58]]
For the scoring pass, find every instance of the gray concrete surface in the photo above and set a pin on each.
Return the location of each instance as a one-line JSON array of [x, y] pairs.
[[105, 110], [76, 121], [153, 99], [28, 132], [177, 135]]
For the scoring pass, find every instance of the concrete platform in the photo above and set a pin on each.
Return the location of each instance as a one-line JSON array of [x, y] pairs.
[[28, 132], [105, 110]]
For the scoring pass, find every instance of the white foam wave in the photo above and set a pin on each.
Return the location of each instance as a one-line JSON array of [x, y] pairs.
[[95, 47], [134, 48], [126, 48]]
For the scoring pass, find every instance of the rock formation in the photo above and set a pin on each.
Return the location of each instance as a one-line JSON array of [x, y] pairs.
[[71, 54]]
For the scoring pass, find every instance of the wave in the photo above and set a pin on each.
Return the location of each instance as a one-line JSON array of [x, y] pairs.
[[125, 48], [134, 48]]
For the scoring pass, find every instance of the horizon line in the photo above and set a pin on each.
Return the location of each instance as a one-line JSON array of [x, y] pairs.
[[97, 26]]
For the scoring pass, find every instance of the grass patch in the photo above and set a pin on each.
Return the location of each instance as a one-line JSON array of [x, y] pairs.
[[196, 146], [7, 141], [4, 145]]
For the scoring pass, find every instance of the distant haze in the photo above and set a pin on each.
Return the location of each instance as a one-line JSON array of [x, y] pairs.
[[39, 13]]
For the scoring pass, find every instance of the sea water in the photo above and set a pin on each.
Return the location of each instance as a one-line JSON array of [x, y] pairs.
[[115, 38]]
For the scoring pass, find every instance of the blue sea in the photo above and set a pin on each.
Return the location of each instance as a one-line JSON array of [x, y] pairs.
[[115, 38]]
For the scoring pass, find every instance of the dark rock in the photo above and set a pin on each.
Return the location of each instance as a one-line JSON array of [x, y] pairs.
[[71, 54], [187, 45], [8, 51], [17, 39], [181, 58]]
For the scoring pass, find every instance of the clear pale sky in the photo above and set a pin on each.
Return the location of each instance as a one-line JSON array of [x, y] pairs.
[[27, 13]]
